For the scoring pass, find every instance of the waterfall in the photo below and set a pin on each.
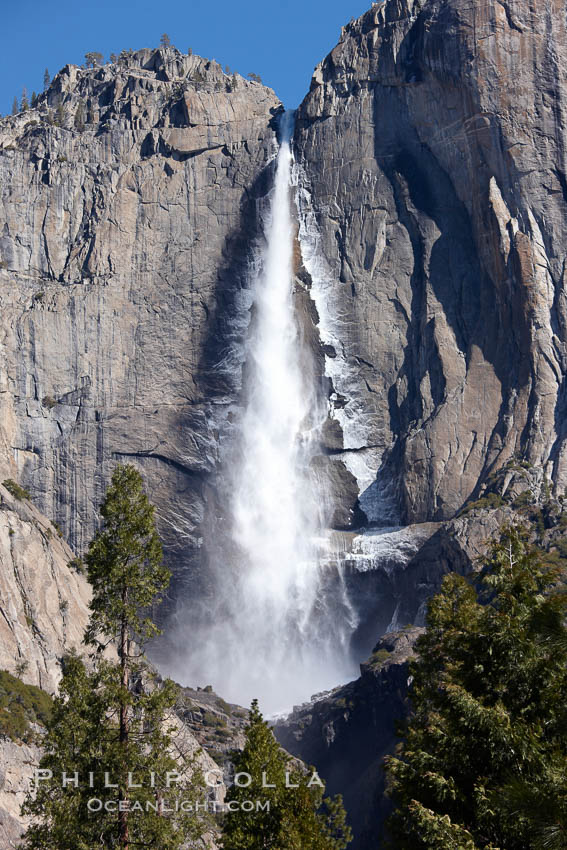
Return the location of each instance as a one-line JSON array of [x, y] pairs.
[[277, 622]]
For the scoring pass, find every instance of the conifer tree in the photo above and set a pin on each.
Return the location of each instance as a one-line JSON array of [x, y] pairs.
[[80, 118], [46, 79], [24, 102], [165, 40], [483, 763], [93, 59], [113, 719], [33, 101], [15, 108], [293, 815]]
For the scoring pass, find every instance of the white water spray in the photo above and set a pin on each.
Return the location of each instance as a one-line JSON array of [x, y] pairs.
[[277, 622]]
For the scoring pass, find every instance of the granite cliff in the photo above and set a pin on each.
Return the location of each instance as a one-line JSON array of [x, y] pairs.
[[432, 146], [430, 285], [347, 733], [124, 238], [431, 215]]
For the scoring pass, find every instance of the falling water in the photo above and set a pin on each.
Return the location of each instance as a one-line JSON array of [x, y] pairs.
[[278, 624]]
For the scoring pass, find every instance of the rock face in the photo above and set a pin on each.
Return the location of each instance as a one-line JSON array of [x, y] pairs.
[[431, 213], [43, 602], [432, 150], [17, 764], [43, 614], [124, 238], [347, 733]]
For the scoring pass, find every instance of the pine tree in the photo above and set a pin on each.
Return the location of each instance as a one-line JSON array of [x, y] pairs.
[[15, 108], [33, 101], [113, 719], [80, 118], [93, 59], [294, 814], [24, 105], [165, 40], [124, 567], [60, 115], [483, 763], [46, 79]]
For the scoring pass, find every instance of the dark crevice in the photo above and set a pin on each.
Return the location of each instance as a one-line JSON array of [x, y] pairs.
[[186, 470]]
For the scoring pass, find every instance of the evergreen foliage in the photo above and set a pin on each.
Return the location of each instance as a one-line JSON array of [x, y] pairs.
[[165, 40], [46, 79], [297, 817], [16, 490], [124, 566], [80, 118], [21, 706], [59, 115], [483, 763], [24, 105], [15, 108], [93, 59], [113, 719]]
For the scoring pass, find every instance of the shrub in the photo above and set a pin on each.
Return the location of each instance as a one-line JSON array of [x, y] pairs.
[[380, 656], [20, 706], [224, 706], [523, 500], [210, 719], [491, 500], [77, 565], [223, 734], [14, 488]]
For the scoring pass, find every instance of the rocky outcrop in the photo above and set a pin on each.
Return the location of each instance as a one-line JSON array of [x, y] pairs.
[[434, 200], [43, 614], [17, 764], [43, 601], [390, 574], [124, 237], [347, 733]]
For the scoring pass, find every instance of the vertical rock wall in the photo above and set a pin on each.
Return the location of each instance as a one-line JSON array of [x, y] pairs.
[[124, 239], [432, 144]]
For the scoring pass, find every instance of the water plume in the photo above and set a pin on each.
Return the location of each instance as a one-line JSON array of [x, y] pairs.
[[277, 623]]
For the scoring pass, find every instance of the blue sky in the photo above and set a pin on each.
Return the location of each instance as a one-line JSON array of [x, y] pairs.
[[281, 40]]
